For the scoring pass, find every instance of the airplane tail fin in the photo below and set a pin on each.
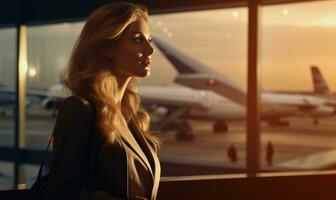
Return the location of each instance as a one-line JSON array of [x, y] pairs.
[[320, 85], [194, 74]]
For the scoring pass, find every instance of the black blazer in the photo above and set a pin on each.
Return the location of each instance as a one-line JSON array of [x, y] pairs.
[[126, 169]]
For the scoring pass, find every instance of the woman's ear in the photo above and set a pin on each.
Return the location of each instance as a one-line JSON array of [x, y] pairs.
[[109, 49], [109, 53]]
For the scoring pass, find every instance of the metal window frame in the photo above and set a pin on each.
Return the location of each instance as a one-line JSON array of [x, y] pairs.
[[253, 114], [20, 115]]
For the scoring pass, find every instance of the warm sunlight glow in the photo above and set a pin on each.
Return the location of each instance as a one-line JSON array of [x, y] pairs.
[[285, 12], [159, 23], [235, 14], [31, 71], [329, 21]]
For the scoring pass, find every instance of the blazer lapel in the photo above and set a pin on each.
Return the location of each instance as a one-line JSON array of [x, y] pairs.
[[144, 143], [151, 155], [133, 145]]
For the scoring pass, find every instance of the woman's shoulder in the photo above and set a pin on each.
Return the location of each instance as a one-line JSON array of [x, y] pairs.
[[75, 105], [75, 100], [74, 120]]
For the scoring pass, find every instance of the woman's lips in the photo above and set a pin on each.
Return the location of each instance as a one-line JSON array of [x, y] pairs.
[[146, 62]]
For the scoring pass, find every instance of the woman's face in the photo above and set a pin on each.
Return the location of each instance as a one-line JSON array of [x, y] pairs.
[[132, 53]]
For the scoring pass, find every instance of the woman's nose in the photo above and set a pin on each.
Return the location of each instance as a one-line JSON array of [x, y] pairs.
[[149, 49]]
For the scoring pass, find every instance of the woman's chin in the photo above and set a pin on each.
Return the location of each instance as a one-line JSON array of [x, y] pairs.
[[144, 73]]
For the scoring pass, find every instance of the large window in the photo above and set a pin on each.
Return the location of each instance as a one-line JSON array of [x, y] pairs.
[[297, 63], [202, 131]]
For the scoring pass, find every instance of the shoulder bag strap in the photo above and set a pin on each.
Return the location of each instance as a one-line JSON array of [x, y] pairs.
[[93, 134]]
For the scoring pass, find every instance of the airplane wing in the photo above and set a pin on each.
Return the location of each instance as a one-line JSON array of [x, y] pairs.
[[170, 96], [48, 99], [30, 92], [215, 83], [298, 104], [172, 103], [7, 96]]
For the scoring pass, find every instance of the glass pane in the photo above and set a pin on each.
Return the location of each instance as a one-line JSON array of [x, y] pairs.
[[29, 173], [298, 46], [203, 131], [6, 175], [7, 98], [7, 85]]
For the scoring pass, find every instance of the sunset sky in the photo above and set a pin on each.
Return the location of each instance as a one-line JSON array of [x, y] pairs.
[[292, 38]]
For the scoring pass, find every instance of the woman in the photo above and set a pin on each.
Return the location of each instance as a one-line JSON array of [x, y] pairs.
[[104, 112]]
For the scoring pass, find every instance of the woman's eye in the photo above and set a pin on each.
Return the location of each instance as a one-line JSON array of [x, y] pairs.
[[138, 39]]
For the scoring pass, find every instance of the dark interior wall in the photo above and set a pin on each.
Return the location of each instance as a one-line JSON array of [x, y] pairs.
[[49, 11], [299, 187], [46, 11], [39, 11], [9, 11]]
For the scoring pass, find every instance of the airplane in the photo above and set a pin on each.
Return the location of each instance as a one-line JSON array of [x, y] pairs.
[[172, 103], [187, 103], [274, 106]]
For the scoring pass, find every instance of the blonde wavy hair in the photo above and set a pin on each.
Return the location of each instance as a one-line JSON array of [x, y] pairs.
[[88, 74]]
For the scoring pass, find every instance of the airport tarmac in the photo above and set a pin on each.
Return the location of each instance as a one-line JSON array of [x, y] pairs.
[[293, 146], [300, 140]]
